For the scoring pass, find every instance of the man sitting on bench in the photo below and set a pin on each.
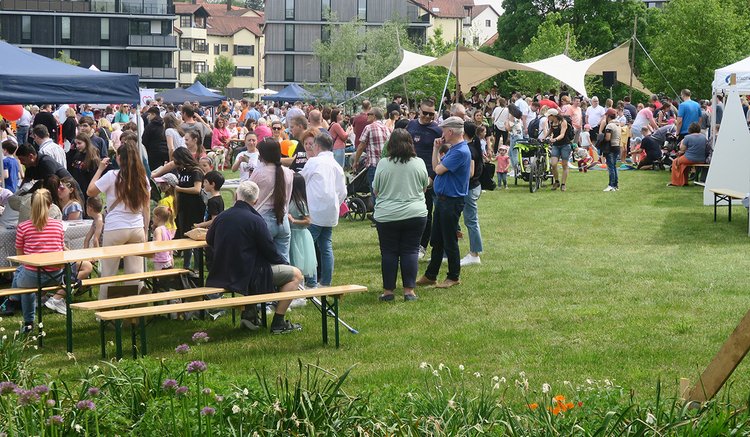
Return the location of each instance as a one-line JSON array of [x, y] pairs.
[[246, 260]]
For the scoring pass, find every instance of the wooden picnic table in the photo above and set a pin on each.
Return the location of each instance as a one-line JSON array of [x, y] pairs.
[[65, 258]]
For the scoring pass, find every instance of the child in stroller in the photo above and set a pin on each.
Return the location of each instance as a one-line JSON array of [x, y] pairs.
[[359, 199]]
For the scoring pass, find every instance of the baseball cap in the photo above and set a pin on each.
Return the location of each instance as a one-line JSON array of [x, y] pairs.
[[453, 123], [168, 178], [551, 112]]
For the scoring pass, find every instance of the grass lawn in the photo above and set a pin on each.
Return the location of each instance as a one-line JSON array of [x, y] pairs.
[[633, 286]]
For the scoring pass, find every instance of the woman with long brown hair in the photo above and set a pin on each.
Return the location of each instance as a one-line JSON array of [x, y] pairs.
[[174, 133], [83, 160], [275, 183], [128, 214]]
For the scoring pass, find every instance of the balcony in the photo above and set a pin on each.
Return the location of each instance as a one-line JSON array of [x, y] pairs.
[[166, 41], [154, 72], [45, 5]]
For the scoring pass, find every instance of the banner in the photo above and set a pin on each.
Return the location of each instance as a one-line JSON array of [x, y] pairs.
[[146, 95]]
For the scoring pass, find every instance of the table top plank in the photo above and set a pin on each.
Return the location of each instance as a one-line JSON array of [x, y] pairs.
[[728, 192], [135, 249]]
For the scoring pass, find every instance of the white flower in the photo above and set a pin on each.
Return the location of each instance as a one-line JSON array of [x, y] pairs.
[[589, 382], [36, 348], [2, 329], [461, 367], [495, 378], [522, 374], [277, 406], [423, 365], [78, 428], [545, 388], [477, 374], [452, 404], [15, 334], [71, 356], [1, 319], [650, 419], [44, 333], [441, 366], [435, 373], [502, 380], [94, 368], [33, 338], [236, 409], [567, 383], [245, 391], [111, 343], [607, 382], [496, 386], [5, 337], [41, 325]]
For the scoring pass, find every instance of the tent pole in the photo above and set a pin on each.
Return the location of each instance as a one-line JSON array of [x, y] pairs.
[[632, 56], [447, 78], [458, 43], [403, 77]]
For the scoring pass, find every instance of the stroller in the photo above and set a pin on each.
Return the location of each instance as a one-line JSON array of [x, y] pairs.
[[526, 150], [358, 200]]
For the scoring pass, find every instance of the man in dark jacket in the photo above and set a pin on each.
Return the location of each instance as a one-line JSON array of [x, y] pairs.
[[154, 139], [246, 261]]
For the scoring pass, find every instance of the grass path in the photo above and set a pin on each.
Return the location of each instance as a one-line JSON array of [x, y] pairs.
[[631, 286]]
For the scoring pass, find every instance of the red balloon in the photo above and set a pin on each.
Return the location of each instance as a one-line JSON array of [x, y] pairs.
[[11, 112]]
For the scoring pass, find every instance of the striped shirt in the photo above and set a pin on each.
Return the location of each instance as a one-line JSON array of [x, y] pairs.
[[50, 239]]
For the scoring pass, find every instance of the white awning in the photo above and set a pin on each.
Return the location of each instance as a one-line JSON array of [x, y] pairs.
[[722, 76]]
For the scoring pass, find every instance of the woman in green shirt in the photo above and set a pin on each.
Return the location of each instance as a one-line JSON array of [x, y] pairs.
[[400, 213]]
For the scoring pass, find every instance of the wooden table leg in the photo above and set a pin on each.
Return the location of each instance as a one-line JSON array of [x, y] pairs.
[[118, 339], [324, 317], [716, 203], [68, 272], [142, 324], [39, 305], [336, 316]]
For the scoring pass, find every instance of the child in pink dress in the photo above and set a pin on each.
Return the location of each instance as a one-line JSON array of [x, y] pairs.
[[160, 217], [503, 164]]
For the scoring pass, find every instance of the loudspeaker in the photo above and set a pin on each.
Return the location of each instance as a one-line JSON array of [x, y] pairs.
[[610, 78], [352, 84]]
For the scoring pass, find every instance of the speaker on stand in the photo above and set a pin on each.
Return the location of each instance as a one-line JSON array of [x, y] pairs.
[[609, 78]]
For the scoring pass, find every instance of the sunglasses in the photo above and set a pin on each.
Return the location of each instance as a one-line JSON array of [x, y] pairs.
[[277, 128], [427, 114]]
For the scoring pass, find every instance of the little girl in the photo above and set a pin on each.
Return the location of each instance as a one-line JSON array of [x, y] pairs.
[[301, 246], [166, 184], [159, 219], [68, 200], [503, 164]]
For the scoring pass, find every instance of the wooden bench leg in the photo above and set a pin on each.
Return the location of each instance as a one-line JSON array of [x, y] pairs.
[[103, 339], [263, 318], [39, 306], [142, 323], [324, 317], [729, 201], [118, 339], [336, 316], [133, 340]]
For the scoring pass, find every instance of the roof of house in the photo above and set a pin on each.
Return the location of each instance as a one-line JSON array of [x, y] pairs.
[[478, 9], [446, 8], [187, 8], [214, 9], [229, 25], [491, 41]]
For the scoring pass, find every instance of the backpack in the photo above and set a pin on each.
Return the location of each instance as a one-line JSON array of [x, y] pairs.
[[534, 128], [485, 178], [570, 133], [515, 111]]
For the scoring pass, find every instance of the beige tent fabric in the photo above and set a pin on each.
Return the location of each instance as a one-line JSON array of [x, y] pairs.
[[615, 60], [474, 66]]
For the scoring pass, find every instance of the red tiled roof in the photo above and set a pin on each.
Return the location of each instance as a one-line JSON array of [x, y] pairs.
[[446, 8], [491, 42], [229, 25], [186, 8], [478, 9]]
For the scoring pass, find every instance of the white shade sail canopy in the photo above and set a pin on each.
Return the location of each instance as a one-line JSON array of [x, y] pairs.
[[410, 61], [474, 67], [723, 75]]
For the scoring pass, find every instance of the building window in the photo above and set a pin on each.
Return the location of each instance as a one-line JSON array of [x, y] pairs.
[[186, 43], [200, 67], [200, 46], [216, 49], [138, 27], [325, 34], [244, 50], [199, 22], [362, 10], [26, 28], [289, 10], [104, 60], [65, 29], [185, 21], [105, 29], [244, 71], [325, 9], [289, 37], [225, 47], [288, 68], [487, 23], [185, 66]]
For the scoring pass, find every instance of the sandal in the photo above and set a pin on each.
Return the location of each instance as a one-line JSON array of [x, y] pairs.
[[387, 297], [555, 184]]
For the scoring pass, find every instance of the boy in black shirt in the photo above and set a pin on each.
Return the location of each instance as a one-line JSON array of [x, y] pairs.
[[212, 184]]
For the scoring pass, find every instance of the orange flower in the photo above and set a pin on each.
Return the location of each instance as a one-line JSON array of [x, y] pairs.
[[556, 411], [559, 398], [569, 405], [533, 406]]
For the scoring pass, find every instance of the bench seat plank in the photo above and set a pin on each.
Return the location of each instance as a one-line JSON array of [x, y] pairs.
[[13, 291], [230, 302], [140, 299], [133, 277], [10, 269]]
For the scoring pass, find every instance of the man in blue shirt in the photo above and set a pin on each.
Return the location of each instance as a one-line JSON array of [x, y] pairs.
[[424, 131], [451, 185], [688, 113]]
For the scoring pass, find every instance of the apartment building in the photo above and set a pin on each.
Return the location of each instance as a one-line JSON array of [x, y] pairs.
[[207, 31], [120, 36]]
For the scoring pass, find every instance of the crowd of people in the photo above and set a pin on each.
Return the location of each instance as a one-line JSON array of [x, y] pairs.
[[424, 170]]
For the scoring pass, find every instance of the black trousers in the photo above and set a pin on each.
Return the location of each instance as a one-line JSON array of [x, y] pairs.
[[444, 240], [399, 245], [428, 200]]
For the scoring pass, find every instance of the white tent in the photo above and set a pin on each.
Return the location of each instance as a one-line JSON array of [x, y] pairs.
[[410, 61], [729, 163], [474, 67], [722, 76]]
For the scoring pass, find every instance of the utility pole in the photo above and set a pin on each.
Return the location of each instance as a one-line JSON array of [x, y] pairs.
[[458, 44], [632, 57]]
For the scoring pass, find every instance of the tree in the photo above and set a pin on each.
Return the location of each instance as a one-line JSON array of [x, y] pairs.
[[63, 57], [257, 5], [222, 74]]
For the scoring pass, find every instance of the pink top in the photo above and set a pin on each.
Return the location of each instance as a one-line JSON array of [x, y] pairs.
[[220, 136], [339, 136], [263, 132], [164, 257], [502, 163], [50, 239]]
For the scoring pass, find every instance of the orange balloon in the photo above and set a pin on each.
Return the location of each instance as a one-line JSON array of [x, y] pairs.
[[285, 147]]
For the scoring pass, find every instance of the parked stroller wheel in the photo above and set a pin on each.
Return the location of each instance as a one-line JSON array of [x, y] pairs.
[[357, 209]]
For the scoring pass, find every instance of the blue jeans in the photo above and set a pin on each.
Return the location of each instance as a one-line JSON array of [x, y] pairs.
[[25, 278], [612, 156], [280, 233], [512, 150], [502, 179], [370, 178], [21, 133], [339, 155], [444, 240], [322, 237], [471, 219]]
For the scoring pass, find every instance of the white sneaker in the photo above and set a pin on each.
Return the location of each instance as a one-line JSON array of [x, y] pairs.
[[470, 259], [422, 253], [297, 303], [609, 188], [56, 304]]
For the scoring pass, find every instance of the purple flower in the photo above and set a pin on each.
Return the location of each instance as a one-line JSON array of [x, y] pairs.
[[201, 337], [219, 398], [41, 389], [196, 367], [86, 405], [169, 384], [182, 349], [181, 390], [55, 420], [26, 397], [208, 411], [94, 392], [7, 387], [51, 402]]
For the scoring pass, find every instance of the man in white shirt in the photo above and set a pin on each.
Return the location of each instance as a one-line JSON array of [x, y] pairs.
[[47, 146], [23, 125], [326, 190], [520, 102], [499, 117], [594, 115]]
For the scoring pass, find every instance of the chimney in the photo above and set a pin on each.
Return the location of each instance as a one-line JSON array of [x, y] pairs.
[[229, 5]]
